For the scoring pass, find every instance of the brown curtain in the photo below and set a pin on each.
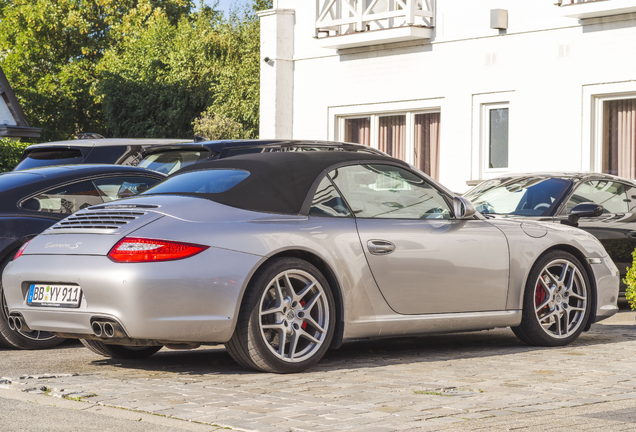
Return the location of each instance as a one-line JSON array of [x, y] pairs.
[[619, 138], [393, 136], [358, 130], [427, 143]]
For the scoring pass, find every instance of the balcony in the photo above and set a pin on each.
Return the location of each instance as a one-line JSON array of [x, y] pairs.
[[584, 9], [357, 23]]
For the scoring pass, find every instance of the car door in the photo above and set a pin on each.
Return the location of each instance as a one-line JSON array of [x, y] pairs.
[[616, 228], [423, 260]]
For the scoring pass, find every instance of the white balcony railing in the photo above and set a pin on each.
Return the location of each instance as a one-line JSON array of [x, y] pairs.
[[348, 17], [584, 9], [568, 2]]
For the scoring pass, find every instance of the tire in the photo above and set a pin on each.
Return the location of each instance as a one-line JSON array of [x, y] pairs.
[[32, 340], [119, 351], [556, 301], [299, 308]]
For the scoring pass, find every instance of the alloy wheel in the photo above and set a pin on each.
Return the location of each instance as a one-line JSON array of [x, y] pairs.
[[294, 315], [560, 298]]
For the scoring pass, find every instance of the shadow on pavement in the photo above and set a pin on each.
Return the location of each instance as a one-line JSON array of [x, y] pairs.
[[376, 352]]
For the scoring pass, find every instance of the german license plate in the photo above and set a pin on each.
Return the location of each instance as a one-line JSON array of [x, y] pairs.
[[67, 296]]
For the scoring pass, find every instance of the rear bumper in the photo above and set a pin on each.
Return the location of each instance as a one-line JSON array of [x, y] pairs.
[[190, 300]]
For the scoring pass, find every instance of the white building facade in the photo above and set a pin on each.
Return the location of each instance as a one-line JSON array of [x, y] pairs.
[[465, 90]]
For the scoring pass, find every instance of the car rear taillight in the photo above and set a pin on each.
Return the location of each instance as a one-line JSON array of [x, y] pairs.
[[21, 250], [133, 249]]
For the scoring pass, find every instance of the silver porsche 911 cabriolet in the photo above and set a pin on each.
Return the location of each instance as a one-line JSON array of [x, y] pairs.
[[280, 256]]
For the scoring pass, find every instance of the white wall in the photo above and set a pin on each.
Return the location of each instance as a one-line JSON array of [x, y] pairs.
[[544, 62]]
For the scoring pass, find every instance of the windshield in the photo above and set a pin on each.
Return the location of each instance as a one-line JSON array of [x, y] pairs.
[[171, 161], [529, 196], [200, 182], [50, 156]]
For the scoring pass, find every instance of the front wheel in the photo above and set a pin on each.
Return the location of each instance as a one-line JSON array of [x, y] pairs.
[[119, 351], [556, 305], [287, 318]]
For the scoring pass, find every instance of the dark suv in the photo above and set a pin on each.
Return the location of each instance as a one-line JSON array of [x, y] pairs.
[[94, 150], [167, 159]]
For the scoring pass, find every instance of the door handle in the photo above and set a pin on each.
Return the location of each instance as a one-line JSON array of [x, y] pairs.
[[380, 247]]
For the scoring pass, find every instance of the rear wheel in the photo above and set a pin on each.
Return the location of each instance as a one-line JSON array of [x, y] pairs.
[[287, 318], [119, 351], [556, 304], [21, 339]]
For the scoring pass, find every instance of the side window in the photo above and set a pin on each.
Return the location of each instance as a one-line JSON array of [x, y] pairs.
[[328, 202], [106, 154], [611, 195], [121, 187], [66, 200], [240, 151], [386, 191]]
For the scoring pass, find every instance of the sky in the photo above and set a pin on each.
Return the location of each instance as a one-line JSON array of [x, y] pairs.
[[224, 5]]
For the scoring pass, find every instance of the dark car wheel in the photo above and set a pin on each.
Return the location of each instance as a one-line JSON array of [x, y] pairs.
[[21, 339], [287, 318], [556, 305], [120, 351]]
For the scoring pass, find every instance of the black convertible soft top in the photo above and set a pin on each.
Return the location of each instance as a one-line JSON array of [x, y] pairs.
[[278, 182]]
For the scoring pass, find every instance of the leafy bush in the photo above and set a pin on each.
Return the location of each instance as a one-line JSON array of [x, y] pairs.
[[630, 281], [217, 127], [10, 153]]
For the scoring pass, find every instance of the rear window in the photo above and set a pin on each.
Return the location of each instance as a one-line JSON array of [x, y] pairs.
[[50, 156], [200, 182], [171, 161]]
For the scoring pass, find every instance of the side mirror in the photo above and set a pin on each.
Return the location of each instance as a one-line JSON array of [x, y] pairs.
[[463, 208], [583, 210]]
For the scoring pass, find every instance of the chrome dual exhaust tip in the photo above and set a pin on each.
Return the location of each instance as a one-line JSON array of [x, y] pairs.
[[97, 328], [107, 329], [16, 323], [11, 323]]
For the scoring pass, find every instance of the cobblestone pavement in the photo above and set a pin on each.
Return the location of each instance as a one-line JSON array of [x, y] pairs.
[[474, 381]]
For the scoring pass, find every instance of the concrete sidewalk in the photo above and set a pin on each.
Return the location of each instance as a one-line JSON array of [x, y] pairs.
[[471, 381]]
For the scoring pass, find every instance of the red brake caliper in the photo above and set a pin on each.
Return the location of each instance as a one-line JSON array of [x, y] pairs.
[[540, 295], [304, 325]]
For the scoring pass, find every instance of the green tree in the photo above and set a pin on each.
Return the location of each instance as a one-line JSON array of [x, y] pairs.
[[214, 126], [50, 49], [238, 90], [10, 153], [164, 77], [158, 80], [630, 281]]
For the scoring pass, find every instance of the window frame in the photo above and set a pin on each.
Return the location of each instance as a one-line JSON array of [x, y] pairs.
[[339, 132], [479, 155], [594, 96], [486, 108]]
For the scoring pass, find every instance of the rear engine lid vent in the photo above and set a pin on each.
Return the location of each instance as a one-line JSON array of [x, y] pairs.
[[102, 221]]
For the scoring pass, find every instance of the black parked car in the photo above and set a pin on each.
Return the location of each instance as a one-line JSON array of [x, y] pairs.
[[552, 196], [91, 149], [35, 199], [172, 157]]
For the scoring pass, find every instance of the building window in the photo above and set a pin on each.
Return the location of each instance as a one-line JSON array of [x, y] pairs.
[[619, 138], [495, 136], [411, 136], [392, 138], [357, 130], [427, 143]]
